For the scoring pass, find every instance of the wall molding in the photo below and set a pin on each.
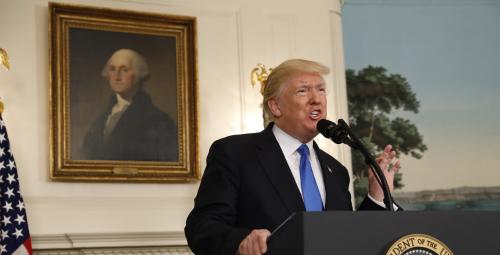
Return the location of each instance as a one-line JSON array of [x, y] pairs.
[[118, 251], [105, 240]]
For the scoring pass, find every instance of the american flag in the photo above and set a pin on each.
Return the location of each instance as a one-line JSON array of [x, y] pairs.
[[14, 226]]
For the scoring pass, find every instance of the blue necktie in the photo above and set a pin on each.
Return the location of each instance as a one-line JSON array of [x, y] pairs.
[[310, 192]]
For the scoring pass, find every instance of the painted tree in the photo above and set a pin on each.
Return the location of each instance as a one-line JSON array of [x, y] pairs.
[[373, 95]]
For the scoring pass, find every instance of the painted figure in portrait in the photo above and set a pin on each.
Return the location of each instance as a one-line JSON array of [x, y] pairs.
[[131, 127]]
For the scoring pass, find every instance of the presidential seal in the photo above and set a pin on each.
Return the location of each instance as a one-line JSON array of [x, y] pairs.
[[418, 244]]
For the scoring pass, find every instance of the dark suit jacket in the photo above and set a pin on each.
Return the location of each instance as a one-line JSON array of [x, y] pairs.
[[247, 185], [143, 132]]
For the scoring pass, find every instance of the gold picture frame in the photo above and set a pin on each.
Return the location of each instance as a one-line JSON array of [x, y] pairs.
[[142, 66]]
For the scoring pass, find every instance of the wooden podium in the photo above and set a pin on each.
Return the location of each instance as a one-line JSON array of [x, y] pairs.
[[373, 232]]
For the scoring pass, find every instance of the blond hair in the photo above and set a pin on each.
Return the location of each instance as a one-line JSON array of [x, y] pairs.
[[282, 74]]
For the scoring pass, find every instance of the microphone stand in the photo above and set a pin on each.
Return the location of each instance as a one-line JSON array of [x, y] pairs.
[[357, 144]]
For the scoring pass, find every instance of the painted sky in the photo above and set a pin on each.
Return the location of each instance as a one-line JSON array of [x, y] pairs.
[[450, 53]]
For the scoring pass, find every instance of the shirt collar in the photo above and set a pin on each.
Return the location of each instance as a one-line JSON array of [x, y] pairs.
[[288, 143], [121, 101], [120, 106]]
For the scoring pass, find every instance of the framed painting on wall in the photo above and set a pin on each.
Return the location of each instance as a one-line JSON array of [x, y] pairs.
[[123, 90]]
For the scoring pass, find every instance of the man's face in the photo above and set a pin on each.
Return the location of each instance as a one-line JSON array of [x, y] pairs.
[[121, 75], [300, 104]]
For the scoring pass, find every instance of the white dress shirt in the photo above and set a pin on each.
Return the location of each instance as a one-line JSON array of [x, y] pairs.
[[289, 146]]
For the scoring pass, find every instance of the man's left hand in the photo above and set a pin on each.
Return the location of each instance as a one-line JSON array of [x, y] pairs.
[[389, 166]]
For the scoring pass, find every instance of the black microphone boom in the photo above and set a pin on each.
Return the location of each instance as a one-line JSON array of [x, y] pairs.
[[338, 134], [342, 133]]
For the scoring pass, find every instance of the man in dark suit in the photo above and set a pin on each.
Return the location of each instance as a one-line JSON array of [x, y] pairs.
[[132, 127], [253, 182]]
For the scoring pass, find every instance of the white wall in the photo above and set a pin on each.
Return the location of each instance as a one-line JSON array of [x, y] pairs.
[[233, 36]]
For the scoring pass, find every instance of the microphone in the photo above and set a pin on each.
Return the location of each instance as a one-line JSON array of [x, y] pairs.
[[337, 133], [342, 133]]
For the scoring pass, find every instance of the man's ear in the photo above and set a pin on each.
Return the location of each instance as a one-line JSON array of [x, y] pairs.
[[274, 107]]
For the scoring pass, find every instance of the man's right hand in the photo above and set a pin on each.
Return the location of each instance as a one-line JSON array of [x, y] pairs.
[[255, 243]]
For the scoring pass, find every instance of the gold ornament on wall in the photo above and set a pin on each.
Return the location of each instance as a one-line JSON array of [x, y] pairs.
[[259, 74], [4, 61]]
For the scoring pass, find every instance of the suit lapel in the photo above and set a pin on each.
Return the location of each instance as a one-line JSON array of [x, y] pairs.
[[327, 177], [333, 190], [274, 164]]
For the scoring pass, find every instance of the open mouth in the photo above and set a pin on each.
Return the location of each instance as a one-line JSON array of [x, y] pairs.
[[315, 114]]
